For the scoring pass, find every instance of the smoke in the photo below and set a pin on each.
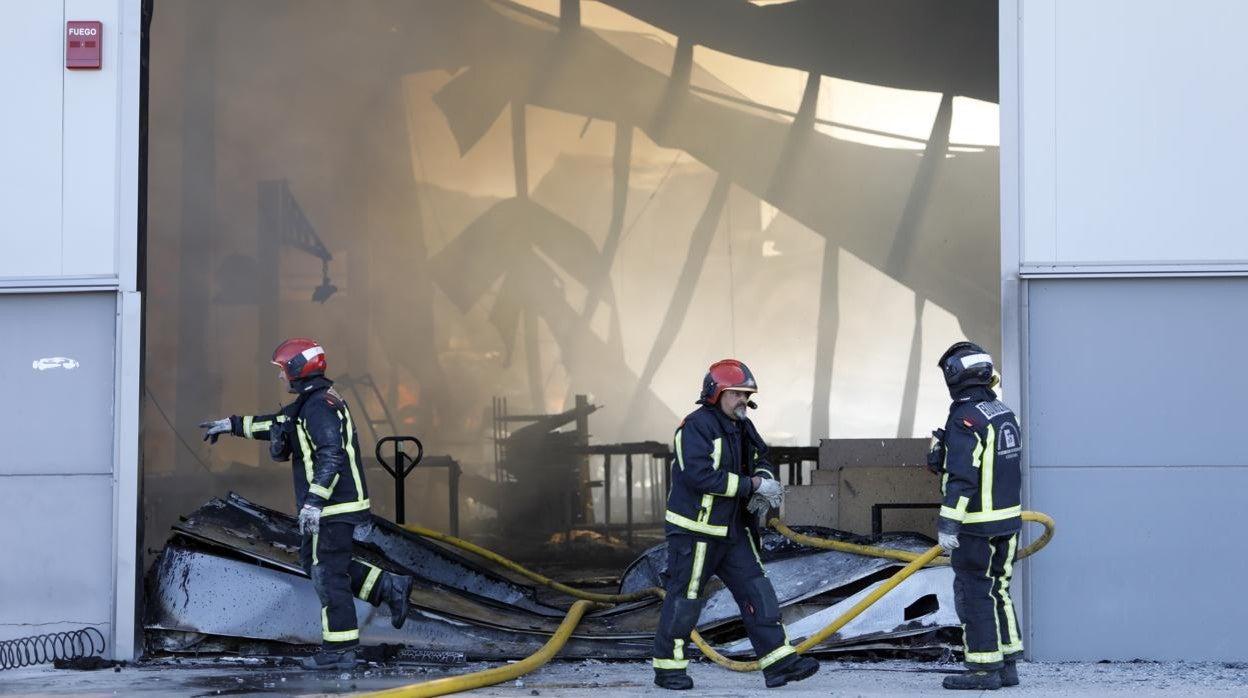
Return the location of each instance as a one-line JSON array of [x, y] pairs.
[[517, 211]]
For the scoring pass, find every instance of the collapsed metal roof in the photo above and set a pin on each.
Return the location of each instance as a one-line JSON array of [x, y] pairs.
[[230, 574]]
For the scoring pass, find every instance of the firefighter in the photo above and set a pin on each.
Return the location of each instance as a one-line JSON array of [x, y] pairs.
[[978, 455], [720, 471], [331, 495]]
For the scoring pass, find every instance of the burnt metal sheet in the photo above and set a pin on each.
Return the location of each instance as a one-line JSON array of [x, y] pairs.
[[207, 583], [198, 592], [271, 537], [796, 571], [922, 603], [774, 548]]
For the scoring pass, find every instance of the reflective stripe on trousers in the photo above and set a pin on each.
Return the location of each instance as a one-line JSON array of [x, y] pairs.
[[983, 568]]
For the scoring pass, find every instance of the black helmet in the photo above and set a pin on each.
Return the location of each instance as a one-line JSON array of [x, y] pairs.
[[965, 364]]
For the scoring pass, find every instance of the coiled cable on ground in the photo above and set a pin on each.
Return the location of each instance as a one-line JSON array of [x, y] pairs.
[[466, 682], [50, 647]]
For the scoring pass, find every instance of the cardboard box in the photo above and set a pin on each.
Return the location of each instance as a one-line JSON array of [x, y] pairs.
[[856, 474], [810, 505]]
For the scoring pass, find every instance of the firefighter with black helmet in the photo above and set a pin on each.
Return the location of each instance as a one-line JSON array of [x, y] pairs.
[[719, 477], [978, 455], [316, 434]]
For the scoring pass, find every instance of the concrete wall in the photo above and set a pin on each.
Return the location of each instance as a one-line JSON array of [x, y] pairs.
[[1122, 145], [69, 288]]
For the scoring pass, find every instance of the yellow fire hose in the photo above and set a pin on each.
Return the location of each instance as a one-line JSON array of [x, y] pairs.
[[489, 677], [902, 555], [587, 600]]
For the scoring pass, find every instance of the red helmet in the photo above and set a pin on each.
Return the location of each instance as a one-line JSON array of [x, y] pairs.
[[728, 374], [300, 358]]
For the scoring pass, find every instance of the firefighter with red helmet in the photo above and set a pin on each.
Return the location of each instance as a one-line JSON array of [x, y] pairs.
[[720, 476], [316, 434]]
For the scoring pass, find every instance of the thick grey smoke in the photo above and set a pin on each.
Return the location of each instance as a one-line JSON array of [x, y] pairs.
[[515, 210]]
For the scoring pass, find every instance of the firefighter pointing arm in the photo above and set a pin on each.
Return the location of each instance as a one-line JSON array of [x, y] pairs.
[[316, 434]]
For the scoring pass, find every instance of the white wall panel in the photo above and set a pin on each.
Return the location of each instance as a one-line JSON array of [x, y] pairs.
[[1133, 131], [32, 53], [91, 150], [1037, 130]]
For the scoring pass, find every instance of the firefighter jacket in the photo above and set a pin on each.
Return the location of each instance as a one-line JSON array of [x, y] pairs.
[[981, 483], [316, 434], [710, 480]]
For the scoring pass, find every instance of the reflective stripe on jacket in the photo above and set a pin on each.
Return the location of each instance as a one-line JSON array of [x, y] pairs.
[[318, 433], [708, 481], [981, 485]]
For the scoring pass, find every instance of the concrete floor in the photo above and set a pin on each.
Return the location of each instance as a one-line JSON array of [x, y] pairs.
[[579, 678]]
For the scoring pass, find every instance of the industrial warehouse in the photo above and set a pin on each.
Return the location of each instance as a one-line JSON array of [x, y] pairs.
[[622, 346]]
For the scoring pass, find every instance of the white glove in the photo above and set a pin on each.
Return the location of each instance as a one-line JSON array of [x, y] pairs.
[[758, 505], [215, 428], [309, 520], [770, 490], [948, 541]]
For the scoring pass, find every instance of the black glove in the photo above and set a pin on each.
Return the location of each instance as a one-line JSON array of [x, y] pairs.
[[279, 448], [936, 455], [281, 440]]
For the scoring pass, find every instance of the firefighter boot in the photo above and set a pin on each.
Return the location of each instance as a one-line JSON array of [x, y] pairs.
[[672, 679], [1009, 673], [974, 681], [395, 591], [337, 660], [796, 670]]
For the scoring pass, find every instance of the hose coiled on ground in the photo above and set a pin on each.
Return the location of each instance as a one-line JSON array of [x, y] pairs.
[[40, 649]]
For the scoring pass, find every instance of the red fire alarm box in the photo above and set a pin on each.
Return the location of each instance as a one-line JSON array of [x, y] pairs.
[[83, 44]]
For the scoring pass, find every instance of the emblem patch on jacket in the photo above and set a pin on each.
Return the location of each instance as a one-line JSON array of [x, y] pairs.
[[1008, 442], [992, 409]]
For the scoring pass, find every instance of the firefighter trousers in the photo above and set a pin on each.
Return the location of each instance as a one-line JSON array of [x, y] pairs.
[[982, 569], [690, 563], [338, 579]]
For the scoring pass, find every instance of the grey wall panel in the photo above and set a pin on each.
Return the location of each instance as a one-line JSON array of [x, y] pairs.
[[1137, 371], [56, 555], [58, 370], [1147, 563]]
